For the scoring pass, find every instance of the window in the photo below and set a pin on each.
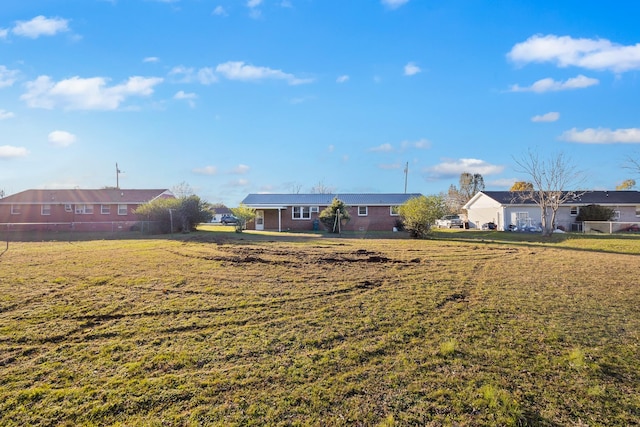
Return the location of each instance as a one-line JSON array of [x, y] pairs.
[[301, 212], [68, 208], [637, 210], [574, 211], [363, 210], [105, 209], [315, 209], [84, 209], [122, 209], [45, 210], [15, 209], [616, 215], [393, 210]]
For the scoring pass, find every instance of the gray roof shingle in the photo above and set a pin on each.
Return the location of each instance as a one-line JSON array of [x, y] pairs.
[[353, 199]]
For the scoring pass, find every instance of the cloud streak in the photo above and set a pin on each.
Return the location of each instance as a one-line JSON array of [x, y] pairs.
[[40, 26], [602, 136], [453, 168], [565, 51], [238, 70], [79, 93], [551, 116], [551, 85]]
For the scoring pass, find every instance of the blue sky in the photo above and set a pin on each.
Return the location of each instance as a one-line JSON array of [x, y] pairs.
[[236, 97]]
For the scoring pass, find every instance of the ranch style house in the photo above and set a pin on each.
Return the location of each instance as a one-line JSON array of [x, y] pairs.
[[505, 208], [109, 209], [299, 212]]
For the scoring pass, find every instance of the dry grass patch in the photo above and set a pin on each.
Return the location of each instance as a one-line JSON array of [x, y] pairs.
[[310, 331]]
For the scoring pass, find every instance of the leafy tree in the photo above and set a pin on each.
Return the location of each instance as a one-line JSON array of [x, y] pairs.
[[521, 186], [245, 214], [554, 181], [333, 215], [169, 214], [595, 213], [470, 184], [420, 213], [193, 211], [160, 214], [627, 184]]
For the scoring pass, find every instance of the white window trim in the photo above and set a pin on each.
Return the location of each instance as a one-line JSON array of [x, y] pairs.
[[616, 215], [105, 209], [576, 209], [314, 209], [638, 210], [45, 209], [301, 213], [84, 209], [68, 207], [16, 209], [391, 210], [366, 211], [122, 209]]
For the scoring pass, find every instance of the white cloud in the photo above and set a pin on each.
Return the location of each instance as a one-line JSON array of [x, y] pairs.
[[421, 144], [189, 97], [411, 69], [61, 138], [331, 148], [565, 51], [502, 182], [342, 79], [205, 76], [219, 11], [453, 168], [254, 3], [602, 136], [207, 170], [151, 59], [4, 115], [550, 85], [240, 169], [394, 4], [238, 70], [382, 148], [551, 116], [85, 94], [7, 77], [4, 33], [238, 183], [40, 26], [10, 152]]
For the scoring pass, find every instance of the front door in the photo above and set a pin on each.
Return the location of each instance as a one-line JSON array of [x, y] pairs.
[[259, 220]]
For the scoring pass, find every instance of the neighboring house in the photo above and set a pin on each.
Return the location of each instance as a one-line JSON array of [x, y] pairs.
[[91, 210], [284, 212], [505, 208], [219, 211]]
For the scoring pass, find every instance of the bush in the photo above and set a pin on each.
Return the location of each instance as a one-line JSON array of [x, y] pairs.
[[595, 213], [420, 213]]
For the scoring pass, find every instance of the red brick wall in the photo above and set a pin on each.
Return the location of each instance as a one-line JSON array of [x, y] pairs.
[[94, 222], [377, 219]]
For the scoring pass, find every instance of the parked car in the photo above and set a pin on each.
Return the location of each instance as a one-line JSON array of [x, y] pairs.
[[489, 226], [228, 219], [450, 221]]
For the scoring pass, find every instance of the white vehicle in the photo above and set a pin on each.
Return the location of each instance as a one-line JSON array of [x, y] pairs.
[[450, 221]]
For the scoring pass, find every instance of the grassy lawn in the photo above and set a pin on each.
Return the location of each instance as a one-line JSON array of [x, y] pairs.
[[217, 328]]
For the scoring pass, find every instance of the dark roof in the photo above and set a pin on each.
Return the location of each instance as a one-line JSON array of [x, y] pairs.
[[101, 196], [626, 197], [362, 199]]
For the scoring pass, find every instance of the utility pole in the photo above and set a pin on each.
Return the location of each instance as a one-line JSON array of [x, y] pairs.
[[406, 174], [118, 172]]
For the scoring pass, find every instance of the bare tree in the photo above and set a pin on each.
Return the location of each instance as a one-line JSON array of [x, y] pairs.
[[555, 181], [182, 190], [633, 163], [470, 184], [321, 188]]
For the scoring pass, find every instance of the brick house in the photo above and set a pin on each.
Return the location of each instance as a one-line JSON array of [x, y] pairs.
[[299, 212], [83, 210]]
